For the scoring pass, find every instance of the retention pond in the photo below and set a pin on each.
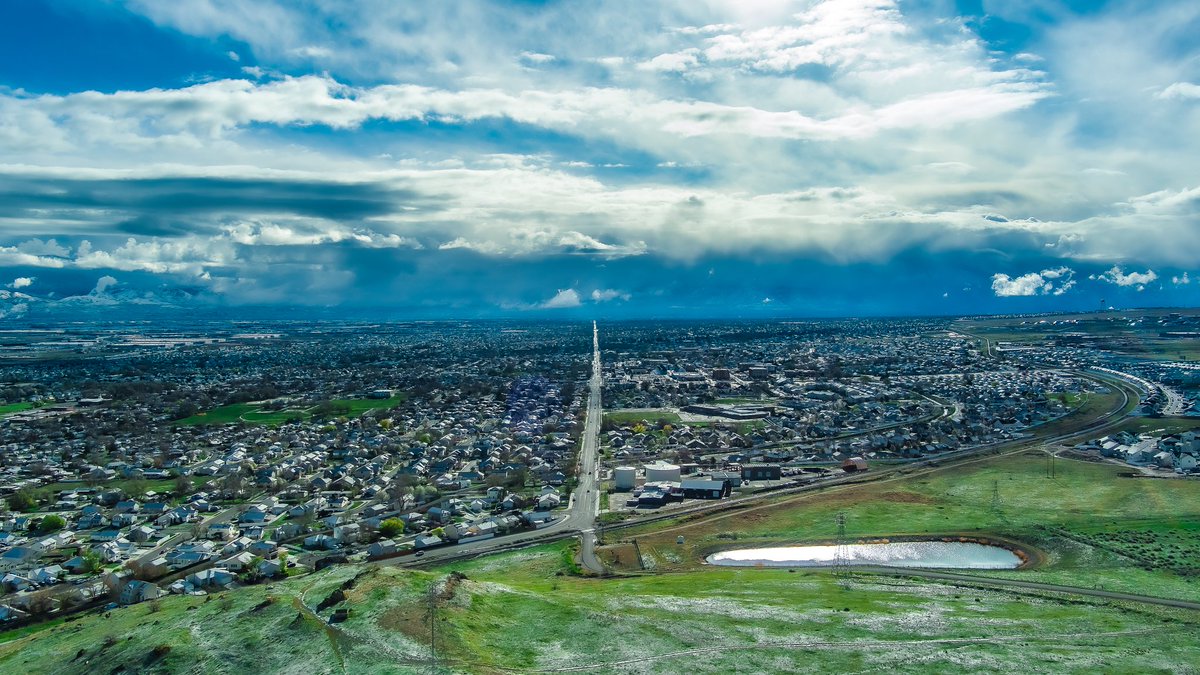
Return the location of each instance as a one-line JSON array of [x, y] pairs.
[[931, 554]]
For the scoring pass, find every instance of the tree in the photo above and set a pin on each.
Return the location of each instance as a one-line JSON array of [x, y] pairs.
[[391, 527], [41, 604], [92, 562], [22, 500], [234, 483], [183, 486], [52, 523], [136, 487], [516, 480], [186, 408]]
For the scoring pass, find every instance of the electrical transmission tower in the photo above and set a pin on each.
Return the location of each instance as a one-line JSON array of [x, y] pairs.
[[431, 616], [997, 502], [841, 561]]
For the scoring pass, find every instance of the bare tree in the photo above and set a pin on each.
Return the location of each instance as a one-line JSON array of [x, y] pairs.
[[41, 604]]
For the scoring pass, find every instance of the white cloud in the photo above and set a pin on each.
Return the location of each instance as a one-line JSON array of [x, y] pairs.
[[215, 109], [536, 58], [1182, 280], [607, 294], [1034, 283], [677, 62], [275, 234], [103, 284], [870, 90], [564, 299], [1118, 277], [1181, 91], [48, 247], [21, 282]]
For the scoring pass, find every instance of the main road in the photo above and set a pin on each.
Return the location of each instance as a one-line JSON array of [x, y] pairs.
[[584, 505], [586, 501], [580, 517]]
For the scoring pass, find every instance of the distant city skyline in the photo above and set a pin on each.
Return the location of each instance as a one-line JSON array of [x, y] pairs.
[[620, 159]]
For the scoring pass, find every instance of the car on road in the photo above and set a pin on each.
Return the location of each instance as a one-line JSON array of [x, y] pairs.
[[418, 554]]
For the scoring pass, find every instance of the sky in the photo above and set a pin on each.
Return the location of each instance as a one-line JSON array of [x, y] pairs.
[[690, 158]]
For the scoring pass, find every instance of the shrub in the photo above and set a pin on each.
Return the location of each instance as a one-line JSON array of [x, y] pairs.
[[52, 523], [391, 527]]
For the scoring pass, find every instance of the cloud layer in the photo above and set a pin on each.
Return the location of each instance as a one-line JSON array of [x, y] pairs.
[[325, 150]]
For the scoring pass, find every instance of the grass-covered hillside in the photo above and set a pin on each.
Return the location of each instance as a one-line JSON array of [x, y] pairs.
[[522, 612], [1094, 524]]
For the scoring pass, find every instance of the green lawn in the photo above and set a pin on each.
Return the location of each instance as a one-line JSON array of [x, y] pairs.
[[253, 413], [633, 417], [8, 408], [160, 486]]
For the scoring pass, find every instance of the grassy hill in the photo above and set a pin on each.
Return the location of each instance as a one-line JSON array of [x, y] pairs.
[[523, 612]]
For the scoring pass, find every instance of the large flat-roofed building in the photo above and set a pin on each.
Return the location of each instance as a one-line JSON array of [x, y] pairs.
[[762, 472], [701, 488]]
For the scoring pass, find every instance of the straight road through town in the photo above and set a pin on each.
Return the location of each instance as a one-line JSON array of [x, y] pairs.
[[587, 494]]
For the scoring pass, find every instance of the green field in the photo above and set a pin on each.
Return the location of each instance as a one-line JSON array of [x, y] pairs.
[[524, 611], [633, 417], [1160, 426], [160, 486], [9, 408], [1084, 499], [253, 413], [1142, 340]]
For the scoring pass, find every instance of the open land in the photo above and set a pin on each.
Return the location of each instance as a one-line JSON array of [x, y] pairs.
[[242, 525]]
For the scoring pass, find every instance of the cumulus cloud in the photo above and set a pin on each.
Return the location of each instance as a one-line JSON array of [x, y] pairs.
[[1181, 91], [1117, 276], [1181, 280], [48, 247], [802, 142], [607, 294], [1056, 281], [536, 58], [21, 282], [677, 62], [103, 284], [565, 298]]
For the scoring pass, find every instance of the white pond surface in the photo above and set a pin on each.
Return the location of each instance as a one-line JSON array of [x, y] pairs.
[[932, 554]]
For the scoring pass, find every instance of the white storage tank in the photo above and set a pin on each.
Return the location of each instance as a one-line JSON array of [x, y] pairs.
[[624, 478], [662, 471]]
